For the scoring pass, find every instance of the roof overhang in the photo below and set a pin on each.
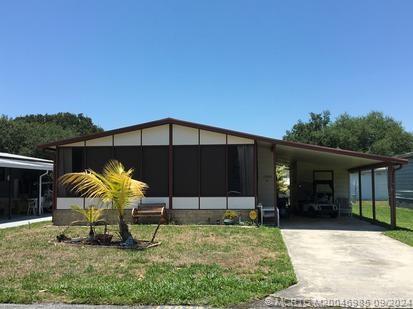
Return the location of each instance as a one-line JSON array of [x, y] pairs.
[[330, 158], [287, 150], [16, 161], [22, 164]]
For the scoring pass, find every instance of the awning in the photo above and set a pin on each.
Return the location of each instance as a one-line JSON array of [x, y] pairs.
[[23, 164]]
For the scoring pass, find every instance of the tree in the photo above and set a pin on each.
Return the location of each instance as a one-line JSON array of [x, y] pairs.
[[79, 123], [281, 179], [311, 132], [21, 135], [114, 186], [373, 133]]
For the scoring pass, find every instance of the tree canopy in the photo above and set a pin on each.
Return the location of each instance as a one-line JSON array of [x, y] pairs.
[[21, 135], [373, 133]]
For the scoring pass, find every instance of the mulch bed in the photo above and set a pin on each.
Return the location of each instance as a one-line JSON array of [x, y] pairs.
[[140, 245]]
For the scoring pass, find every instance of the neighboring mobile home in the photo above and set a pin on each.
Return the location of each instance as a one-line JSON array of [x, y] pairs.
[[366, 183], [23, 185], [199, 171], [404, 182]]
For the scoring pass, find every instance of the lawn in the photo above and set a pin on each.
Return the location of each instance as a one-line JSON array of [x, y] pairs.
[[404, 220], [204, 265]]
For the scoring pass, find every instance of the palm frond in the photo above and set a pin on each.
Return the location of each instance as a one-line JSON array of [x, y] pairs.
[[115, 185], [91, 214], [87, 184]]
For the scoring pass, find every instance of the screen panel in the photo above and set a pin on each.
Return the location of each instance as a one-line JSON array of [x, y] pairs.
[[213, 175], [71, 160], [186, 171], [130, 157], [155, 170], [98, 157], [240, 170]]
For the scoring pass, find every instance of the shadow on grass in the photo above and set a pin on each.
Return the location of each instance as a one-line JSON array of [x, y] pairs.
[[385, 225]]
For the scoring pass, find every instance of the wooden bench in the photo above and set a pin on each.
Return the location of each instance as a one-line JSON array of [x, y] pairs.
[[155, 210]]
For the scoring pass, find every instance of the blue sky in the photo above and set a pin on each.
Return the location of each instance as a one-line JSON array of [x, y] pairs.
[[255, 66]]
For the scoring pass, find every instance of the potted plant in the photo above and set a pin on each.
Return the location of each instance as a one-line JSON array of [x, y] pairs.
[[230, 216]]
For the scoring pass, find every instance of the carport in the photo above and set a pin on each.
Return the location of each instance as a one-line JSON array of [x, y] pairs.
[[24, 185], [306, 161]]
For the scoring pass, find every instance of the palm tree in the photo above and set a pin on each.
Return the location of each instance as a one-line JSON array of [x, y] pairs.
[[92, 215], [114, 186]]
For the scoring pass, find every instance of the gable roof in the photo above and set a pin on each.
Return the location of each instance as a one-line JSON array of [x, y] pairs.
[[384, 159]]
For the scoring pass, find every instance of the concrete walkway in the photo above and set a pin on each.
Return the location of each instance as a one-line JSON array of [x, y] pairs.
[[74, 306], [23, 221], [349, 260]]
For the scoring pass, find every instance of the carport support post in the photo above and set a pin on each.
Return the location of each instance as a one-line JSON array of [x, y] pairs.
[[373, 194], [392, 195], [274, 158], [9, 181], [360, 197]]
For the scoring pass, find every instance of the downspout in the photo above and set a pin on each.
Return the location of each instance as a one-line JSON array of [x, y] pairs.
[[40, 192]]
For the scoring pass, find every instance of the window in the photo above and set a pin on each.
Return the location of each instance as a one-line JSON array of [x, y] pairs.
[[97, 157], [130, 157], [155, 170], [70, 160], [213, 175], [186, 171], [240, 170]]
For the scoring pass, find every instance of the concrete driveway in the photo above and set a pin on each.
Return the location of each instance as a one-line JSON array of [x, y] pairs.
[[347, 259]]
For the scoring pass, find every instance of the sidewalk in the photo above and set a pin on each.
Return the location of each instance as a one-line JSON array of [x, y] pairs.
[[23, 221]]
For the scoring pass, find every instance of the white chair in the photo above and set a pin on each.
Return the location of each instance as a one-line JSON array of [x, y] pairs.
[[31, 206], [269, 212]]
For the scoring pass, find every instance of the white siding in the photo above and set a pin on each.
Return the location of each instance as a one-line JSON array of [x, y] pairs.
[[66, 202], [241, 202], [102, 141], [185, 202], [239, 140], [156, 136], [266, 170], [380, 185], [213, 203], [305, 180], [184, 135], [211, 138], [149, 200], [97, 202], [134, 204], [128, 139]]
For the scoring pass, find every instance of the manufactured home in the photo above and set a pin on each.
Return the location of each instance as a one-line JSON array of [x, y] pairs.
[[404, 182], [199, 171]]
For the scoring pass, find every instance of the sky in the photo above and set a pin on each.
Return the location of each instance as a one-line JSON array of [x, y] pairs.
[[253, 66]]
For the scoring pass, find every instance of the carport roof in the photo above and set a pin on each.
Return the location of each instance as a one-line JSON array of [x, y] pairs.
[[286, 150], [15, 161]]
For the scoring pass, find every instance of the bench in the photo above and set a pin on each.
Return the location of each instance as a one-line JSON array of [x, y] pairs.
[[157, 210], [154, 210]]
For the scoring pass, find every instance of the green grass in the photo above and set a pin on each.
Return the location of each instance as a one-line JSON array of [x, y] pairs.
[[203, 265], [404, 220]]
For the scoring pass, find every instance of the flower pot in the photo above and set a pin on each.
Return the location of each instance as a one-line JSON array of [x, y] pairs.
[[229, 221], [103, 239]]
